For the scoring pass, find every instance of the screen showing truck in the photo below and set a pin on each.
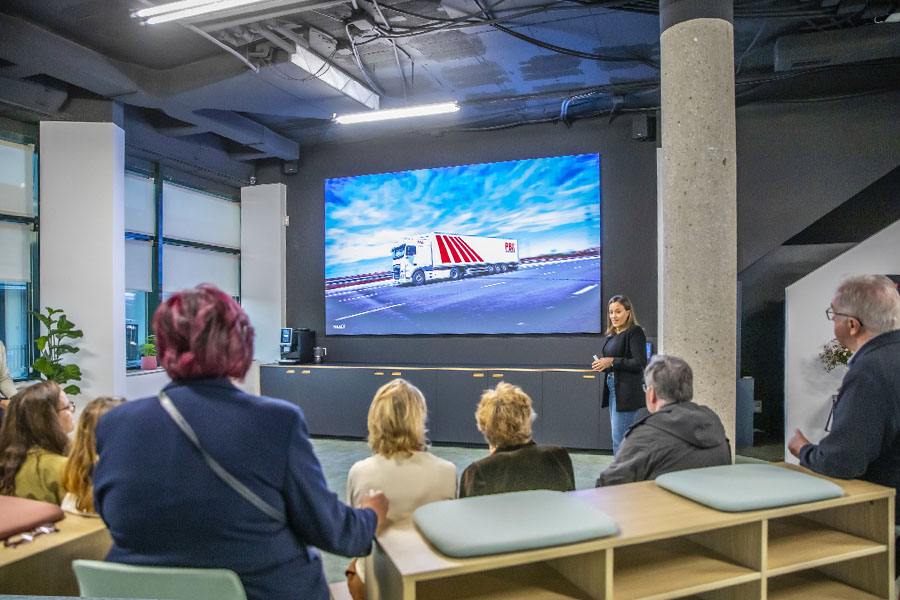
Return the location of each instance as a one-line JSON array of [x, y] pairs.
[[496, 248]]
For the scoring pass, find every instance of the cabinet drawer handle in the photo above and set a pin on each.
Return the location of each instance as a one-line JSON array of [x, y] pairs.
[[497, 375], [304, 372], [477, 374], [379, 373], [396, 374], [289, 371], [589, 376]]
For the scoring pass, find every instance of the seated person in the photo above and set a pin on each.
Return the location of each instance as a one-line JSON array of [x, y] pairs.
[[76, 479], [676, 435], [34, 443], [516, 463], [401, 467], [165, 506]]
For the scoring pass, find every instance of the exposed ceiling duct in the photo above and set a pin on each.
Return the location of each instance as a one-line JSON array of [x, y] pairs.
[[877, 41]]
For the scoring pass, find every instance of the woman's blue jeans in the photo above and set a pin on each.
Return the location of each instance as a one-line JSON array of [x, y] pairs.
[[619, 421]]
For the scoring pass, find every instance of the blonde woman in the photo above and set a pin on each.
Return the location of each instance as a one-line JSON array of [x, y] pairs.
[[516, 463], [401, 467], [76, 479]]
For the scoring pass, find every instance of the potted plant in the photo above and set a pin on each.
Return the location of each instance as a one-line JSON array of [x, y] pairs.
[[53, 346], [148, 353], [833, 355]]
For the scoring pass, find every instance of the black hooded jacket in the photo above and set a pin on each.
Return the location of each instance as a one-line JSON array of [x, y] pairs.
[[676, 437]]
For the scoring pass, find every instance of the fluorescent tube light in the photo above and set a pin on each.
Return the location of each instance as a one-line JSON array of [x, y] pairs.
[[334, 76], [398, 113], [184, 9]]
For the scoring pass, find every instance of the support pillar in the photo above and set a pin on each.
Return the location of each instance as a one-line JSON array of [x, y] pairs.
[[82, 245], [697, 195]]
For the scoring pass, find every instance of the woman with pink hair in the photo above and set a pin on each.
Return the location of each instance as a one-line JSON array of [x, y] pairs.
[[167, 504]]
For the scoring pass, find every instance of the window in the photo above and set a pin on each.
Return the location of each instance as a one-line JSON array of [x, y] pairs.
[[201, 238], [18, 245]]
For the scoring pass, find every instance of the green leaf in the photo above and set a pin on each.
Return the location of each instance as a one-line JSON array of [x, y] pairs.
[[66, 349], [41, 342], [75, 333], [64, 324], [72, 390], [43, 366], [53, 311], [72, 372], [42, 318]]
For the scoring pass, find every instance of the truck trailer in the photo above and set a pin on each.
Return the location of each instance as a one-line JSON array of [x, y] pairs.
[[433, 256]]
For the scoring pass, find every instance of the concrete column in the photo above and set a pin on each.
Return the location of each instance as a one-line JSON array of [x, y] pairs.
[[82, 244], [697, 212]]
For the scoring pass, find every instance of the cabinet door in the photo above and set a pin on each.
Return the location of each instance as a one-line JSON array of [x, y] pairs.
[[531, 383], [453, 413], [572, 413]]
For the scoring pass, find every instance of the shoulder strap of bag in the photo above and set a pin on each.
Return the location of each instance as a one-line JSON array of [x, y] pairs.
[[218, 469]]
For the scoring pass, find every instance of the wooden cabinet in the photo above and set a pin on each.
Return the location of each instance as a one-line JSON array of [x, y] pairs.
[[671, 547], [335, 400]]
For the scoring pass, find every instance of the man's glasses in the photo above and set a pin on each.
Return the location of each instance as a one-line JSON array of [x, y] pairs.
[[27, 536], [830, 314]]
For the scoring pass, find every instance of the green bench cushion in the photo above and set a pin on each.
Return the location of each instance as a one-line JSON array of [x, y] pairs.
[[735, 488], [509, 522]]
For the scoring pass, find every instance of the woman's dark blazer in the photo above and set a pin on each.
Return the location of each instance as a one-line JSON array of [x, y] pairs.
[[165, 507], [629, 353]]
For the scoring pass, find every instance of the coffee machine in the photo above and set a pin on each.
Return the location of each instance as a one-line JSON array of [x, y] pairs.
[[296, 345]]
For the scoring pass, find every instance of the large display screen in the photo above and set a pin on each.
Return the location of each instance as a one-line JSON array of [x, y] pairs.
[[497, 248]]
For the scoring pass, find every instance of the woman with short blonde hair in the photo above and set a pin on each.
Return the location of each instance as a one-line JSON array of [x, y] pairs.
[[402, 467], [76, 478], [397, 419], [504, 416]]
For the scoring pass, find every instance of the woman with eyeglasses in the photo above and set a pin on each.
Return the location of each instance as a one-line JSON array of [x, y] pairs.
[[34, 443], [622, 359]]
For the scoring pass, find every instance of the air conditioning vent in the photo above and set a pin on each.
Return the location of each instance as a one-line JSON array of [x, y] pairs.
[[839, 47]]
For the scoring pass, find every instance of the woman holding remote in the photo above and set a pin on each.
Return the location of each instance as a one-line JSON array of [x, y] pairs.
[[622, 358]]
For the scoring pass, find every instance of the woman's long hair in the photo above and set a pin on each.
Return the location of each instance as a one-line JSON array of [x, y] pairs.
[[626, 304], [76, 477], [31, 420]]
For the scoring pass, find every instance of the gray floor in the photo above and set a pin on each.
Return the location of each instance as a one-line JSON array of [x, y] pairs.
[[337, 456]]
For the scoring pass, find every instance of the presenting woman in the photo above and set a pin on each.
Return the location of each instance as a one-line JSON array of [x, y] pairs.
[[264, 510], [34, 443], [622, 357]]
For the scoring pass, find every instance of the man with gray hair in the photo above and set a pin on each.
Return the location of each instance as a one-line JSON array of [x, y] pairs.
[[677, 434], [864, 442]]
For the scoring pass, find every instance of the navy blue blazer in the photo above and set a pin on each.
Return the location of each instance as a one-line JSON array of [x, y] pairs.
[[864, 442], [165, 507]]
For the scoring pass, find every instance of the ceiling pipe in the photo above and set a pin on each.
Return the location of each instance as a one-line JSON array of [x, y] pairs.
[[255, 18]]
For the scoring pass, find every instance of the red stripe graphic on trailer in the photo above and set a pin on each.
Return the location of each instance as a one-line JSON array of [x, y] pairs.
[[467, 256], [475, 254], [443, 250], [452, 249], [462, 252]]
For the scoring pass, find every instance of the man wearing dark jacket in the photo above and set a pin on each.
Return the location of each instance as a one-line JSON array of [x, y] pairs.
[[676, 435]]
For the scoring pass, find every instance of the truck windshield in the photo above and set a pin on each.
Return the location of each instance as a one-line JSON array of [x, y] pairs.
[[398, 251]]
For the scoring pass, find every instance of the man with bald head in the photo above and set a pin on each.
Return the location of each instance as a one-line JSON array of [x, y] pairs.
[[864, 442]]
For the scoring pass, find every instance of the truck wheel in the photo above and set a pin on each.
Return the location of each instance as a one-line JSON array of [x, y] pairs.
[[502, 268], [490, 269], [455, 274], [418, 278]]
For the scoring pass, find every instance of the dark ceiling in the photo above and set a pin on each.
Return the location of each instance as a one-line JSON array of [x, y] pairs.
[[228, 82]]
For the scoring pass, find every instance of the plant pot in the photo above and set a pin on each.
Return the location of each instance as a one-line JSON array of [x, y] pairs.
[[148, 363]]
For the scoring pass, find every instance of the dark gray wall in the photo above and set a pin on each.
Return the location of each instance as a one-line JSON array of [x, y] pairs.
[[628, 175], [796, 162]]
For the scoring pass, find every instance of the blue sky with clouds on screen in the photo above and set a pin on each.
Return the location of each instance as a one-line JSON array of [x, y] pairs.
[[548, 204]]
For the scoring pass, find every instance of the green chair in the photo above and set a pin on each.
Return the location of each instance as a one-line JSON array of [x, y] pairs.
[[99, 579]]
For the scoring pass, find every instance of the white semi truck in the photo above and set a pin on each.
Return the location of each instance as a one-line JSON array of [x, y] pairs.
[[433, 256]]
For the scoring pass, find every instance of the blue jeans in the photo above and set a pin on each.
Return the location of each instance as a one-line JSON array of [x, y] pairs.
[[620, 421]]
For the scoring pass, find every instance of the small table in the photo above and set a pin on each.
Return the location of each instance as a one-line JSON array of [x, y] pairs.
[[43, 567]]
